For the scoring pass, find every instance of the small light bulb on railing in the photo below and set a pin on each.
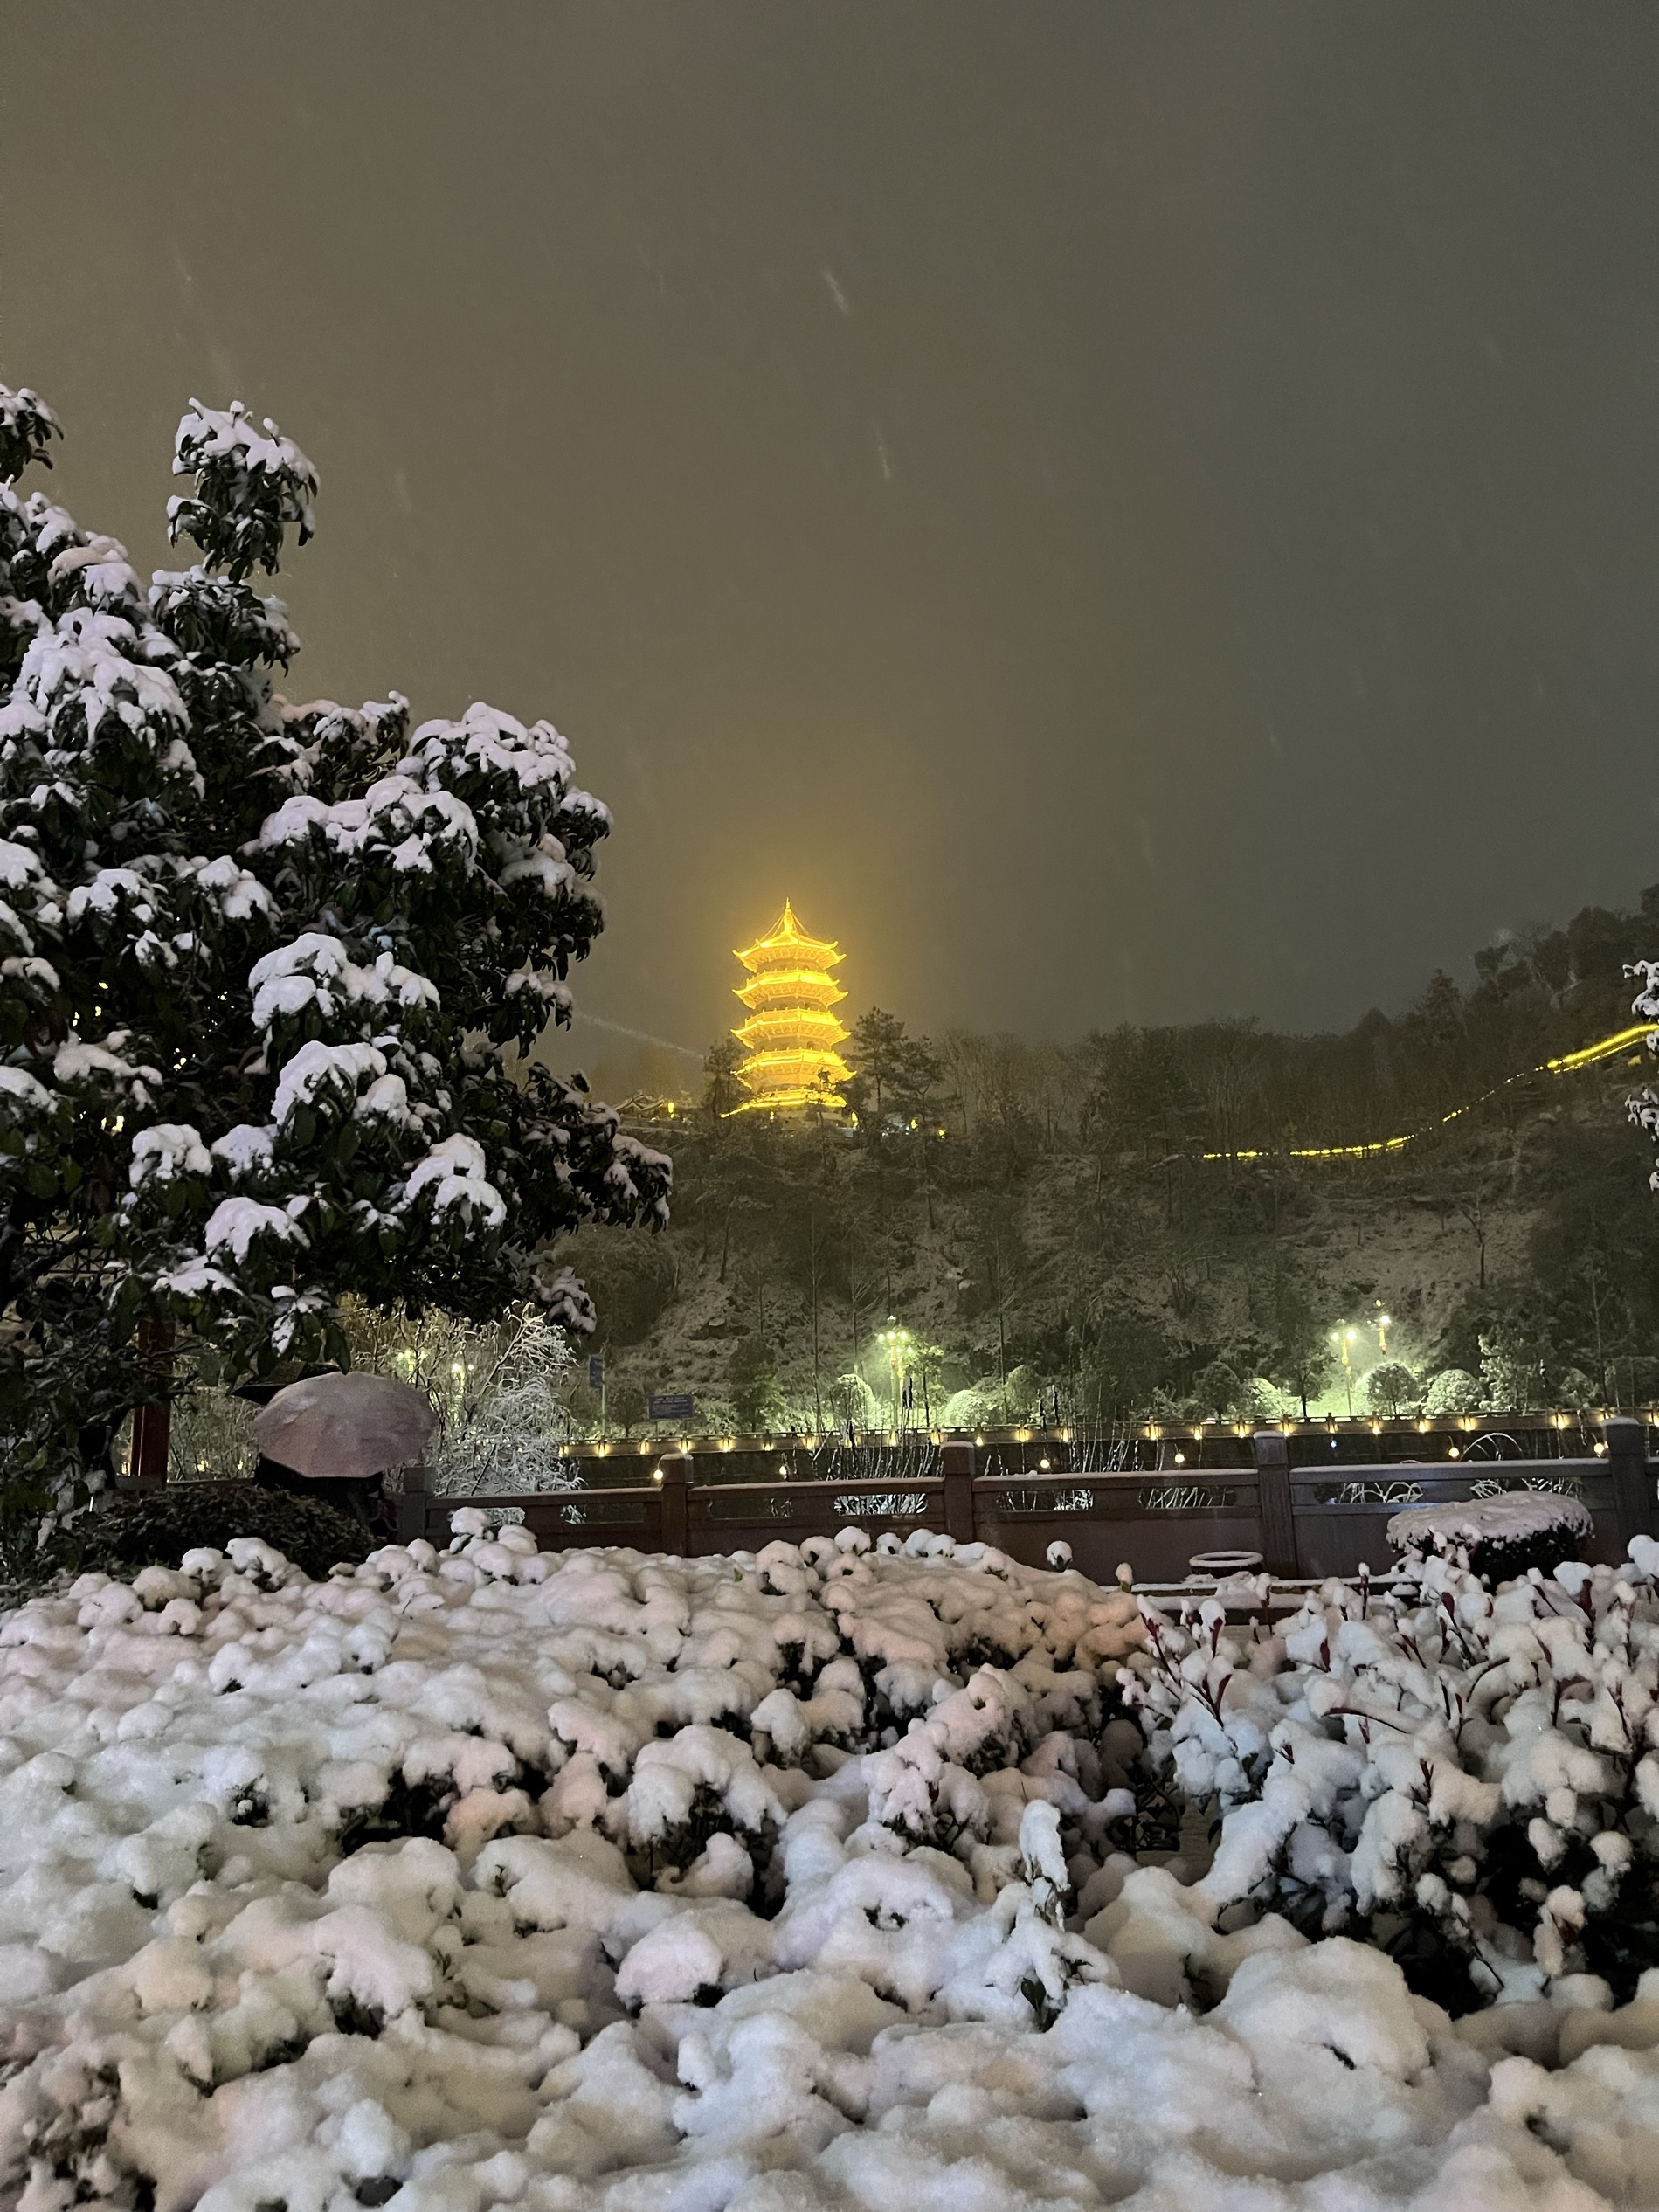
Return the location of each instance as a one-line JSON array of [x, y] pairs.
[[656, 1473], [1181, 1459]]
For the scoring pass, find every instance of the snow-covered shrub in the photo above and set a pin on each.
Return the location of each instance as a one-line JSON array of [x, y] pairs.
[[154, 1528], [1391, 1389], [1454, 1390], [272, 973], [1470, 1778], [1498, 1537], [1262, 1399], [326, 1894]]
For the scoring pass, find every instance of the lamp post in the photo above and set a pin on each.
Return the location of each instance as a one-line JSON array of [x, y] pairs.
[[1345, 1339], [896, 1342], [1385, 1323]]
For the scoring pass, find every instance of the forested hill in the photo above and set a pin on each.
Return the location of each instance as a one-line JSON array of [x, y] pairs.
[[1044, 1223]]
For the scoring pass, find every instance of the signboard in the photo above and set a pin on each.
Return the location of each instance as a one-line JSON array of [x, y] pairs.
[[672, 1408]]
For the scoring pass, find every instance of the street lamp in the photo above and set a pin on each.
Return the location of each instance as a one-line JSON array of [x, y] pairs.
[[1345, 1339], [896, 1342], [1385, 1323]]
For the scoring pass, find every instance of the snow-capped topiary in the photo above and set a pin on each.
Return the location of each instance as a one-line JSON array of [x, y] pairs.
[[1454, 1390], [1497, 1537], [269, 971]]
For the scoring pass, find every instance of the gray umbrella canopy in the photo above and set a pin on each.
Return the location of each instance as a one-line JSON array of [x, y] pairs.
[[337, 1427]]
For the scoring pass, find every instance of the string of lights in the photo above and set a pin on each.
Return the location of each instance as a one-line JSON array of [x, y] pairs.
[[1567, 1064]]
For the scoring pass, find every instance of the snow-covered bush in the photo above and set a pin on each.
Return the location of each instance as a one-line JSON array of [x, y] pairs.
[[1454, 1390], [592, 1882], [1470, 1778], [1391, 1389], [270, 972], [1498, 1537]]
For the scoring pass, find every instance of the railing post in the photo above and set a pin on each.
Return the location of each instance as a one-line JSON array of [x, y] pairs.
[[1273, 1509], [410, 1504], [676, 1471], [1628, 1465], [958, 1492]]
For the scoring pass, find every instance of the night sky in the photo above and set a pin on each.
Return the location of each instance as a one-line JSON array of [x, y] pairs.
[[1121, 512]]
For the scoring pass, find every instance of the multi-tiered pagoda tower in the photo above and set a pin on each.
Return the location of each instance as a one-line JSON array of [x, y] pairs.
[[791, 1034]]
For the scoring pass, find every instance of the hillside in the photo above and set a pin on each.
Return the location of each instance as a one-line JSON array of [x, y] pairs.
[[1051, 1233]]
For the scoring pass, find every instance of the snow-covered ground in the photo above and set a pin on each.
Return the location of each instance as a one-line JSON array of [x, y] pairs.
[[600, 1880]]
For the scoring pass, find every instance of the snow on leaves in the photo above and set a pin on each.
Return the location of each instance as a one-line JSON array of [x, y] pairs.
[[249, 488], [1480, 1763]]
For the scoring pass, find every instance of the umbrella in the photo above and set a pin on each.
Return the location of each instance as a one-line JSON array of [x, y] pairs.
[[342, 1428]]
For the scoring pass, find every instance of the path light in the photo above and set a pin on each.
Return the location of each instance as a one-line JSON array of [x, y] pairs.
[[1043, 1466], [1181, 1459], [656, 1473], [1451, 1451]]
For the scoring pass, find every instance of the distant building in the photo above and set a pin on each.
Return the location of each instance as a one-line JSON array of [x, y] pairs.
[[790, 1035]]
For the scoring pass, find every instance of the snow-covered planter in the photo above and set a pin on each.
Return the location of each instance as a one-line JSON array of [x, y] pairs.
[[1468, 1779], [1497, 1537]]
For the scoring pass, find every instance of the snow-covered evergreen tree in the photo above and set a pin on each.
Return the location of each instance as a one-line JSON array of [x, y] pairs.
[[266, 972]]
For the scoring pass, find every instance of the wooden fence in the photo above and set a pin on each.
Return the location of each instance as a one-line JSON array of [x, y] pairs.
[[1306, 1520]]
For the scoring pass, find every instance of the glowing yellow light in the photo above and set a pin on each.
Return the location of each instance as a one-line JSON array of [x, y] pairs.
[[1043, 1466], [656, 1473], [1181, 1459], [790, 1035], [1568, 1064]]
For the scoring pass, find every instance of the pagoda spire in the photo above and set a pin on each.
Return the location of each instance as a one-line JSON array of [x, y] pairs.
[[790, 1035]]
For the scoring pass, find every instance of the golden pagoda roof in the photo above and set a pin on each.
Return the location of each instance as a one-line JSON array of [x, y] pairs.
[[787, 941]]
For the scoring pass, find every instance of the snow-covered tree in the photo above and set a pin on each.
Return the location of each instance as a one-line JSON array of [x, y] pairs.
[[269, 974], [1392, 1389]]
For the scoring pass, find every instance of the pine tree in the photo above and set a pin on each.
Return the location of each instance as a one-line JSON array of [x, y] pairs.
[[268, 974]]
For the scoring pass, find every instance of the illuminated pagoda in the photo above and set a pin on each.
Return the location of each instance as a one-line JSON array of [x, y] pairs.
[[790, 1035]]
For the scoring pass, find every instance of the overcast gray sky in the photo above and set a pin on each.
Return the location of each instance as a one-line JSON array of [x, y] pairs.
[[1119, 511]]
